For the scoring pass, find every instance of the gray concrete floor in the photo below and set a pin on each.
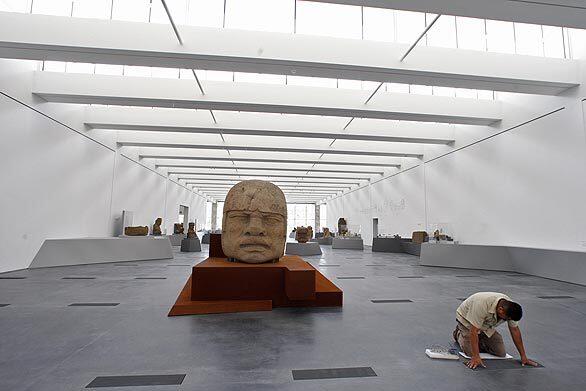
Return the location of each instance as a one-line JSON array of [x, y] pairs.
[[46, 345]]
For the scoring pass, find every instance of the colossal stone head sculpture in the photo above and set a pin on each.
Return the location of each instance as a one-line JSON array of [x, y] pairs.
[[255, 222], [302, 235]]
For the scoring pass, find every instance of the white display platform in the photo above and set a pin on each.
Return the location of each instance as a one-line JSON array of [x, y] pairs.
[[309, 248], [80, 251], [348, 243], [176, 239], [568, 266]]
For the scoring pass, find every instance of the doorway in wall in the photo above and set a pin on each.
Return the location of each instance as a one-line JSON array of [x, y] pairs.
[[374, 228], [183, 216]]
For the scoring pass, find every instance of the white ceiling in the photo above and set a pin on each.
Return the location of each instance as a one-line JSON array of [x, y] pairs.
[[296, 109]]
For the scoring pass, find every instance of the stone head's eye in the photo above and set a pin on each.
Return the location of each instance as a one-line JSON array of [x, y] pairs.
[[238, 216], [272, 219]]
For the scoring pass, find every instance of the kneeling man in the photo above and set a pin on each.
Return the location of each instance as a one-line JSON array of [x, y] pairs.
[[477, 318]]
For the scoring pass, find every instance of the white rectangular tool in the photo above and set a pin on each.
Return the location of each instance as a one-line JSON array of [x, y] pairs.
[[486, 356], [442, 353]]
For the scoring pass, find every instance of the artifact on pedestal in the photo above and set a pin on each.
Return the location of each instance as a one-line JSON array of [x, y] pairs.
[[254, 222], [157, 226], [310, 228], [419, 237], [178, 228], [238, 276], [342, 226], [327, 233], [191, 231], [136, 231], [302, 234], [191, 243]]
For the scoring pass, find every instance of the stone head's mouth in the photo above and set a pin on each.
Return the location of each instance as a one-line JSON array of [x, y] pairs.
[[254, 246]]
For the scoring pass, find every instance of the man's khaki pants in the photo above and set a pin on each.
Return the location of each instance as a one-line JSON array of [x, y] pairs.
[[493, 345]]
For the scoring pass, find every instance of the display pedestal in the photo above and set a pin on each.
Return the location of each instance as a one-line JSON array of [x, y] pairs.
[[82, 251], [219, 286], [190, 245], [387, 245], [348, 243], [206, 238], [325, 241], [410, 247], [309, 248], [176, 239]]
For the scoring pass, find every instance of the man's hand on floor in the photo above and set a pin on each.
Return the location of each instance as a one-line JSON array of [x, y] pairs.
[[475, 362], [526, 361]]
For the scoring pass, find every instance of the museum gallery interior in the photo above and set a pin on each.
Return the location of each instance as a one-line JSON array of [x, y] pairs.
[[292, 195]]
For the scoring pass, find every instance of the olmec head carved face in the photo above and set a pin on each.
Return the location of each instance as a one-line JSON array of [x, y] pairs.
[[255, 222], [302, 235]]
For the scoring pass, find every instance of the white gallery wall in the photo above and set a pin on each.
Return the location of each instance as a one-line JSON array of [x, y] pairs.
[[521, 183], [60, 181]]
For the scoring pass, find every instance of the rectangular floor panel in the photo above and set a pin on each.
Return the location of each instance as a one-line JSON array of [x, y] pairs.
[[93, 304], [136, 380], [332, 373]]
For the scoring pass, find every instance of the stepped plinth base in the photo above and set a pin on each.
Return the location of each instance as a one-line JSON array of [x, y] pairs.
[[219, 286]]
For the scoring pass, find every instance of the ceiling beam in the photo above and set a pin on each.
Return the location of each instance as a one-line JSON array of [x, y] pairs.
[[205, 188], [269, 133], [274, 174], [252, 160], [280, 169], [565, 13], [285, 185], [139, 119], [276, 181], [361, 178], [59, 38], [301, 192], [124, 143], [261, 98]]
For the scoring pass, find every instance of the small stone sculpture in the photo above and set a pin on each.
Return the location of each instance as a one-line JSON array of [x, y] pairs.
[[191, 231], [342, 226], [157, 226], [327, 233], [254, 222], [419, 237], [310, 228], [302, 234], [136, 231], [178, 228], [436, 235]]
